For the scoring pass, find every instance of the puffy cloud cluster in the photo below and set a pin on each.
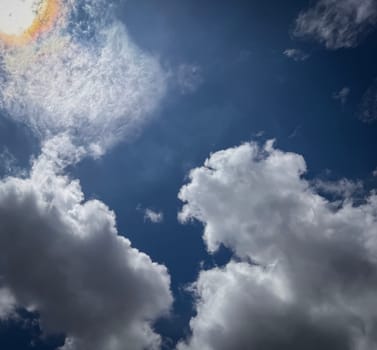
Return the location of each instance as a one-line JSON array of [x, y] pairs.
[[85, 77], [63, 257], [305, 271], [337, 23]]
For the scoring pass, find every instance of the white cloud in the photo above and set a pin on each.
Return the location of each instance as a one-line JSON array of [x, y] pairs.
[[81, 87], [63, 257], [342, 95], [296, 54], [153, 216], [337, 23], [16, 15], [307, 270], [99, 88]]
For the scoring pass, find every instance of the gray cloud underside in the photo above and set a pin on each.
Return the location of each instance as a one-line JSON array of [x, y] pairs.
[[63, 257], [306, 269]]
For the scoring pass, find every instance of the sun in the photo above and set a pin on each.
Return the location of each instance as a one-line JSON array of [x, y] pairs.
[[21, 21]]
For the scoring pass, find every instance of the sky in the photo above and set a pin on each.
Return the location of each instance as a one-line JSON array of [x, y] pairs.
[[191, 175]]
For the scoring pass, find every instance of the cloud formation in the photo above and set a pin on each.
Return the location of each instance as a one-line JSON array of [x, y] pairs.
[[154, 217], [337, 23], [63, 257], [296, 54], [85, 77], [81, 87], [342, 95], [305, 272]]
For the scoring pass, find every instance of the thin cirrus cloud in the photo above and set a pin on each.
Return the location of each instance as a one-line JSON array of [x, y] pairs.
[[337, 23], [305, 271]]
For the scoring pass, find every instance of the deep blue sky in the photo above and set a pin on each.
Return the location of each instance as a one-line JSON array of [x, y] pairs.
[[245, 86]]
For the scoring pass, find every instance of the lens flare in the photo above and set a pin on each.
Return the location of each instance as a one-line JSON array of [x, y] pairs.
[[22, 21]]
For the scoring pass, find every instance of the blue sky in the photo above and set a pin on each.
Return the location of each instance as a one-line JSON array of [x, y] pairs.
[[198, 77]]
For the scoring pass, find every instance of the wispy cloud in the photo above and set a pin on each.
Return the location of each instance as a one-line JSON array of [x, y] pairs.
[[9, 164], [155, 217], [98, 89], [368, 106], [342, 95], [189, 77], [296, 54], [337, 23]]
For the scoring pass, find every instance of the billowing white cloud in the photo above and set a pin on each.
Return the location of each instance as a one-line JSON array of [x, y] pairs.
[[63, 257], [306, 267], [99, 87], [337, 23], [155, 217]]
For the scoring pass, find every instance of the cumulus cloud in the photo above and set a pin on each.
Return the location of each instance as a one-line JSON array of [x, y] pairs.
[[296, 54], [305, 272], [85, 77], [155, 217], [63, 257], [337, 23], [342, 95]]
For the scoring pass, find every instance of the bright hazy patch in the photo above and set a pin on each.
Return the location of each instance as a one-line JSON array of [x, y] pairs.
[[16, 16], [21, 21]]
